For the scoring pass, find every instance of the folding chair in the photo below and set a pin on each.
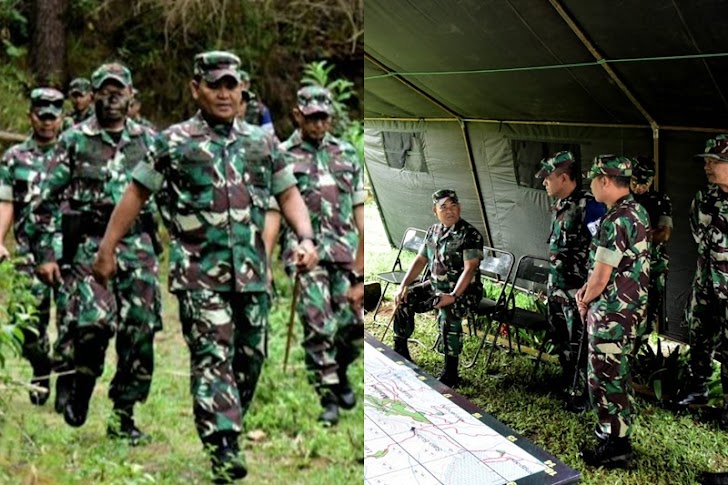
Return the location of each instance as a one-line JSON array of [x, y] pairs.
[[530, 278], [496, 266], [411, 242]]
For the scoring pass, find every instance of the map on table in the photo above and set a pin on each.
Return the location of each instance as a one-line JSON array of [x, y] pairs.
[[418, 431]]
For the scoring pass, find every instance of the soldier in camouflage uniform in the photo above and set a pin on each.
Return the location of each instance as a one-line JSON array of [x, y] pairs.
[[216, 176], [81, 95], [330, 180], [256, 112], [707, 312], [574, 222], [21, 171], [613, 303], [90, 168], [659, 208], [452, 250]]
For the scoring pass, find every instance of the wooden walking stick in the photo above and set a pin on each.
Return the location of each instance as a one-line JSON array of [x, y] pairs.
[[294, 300]]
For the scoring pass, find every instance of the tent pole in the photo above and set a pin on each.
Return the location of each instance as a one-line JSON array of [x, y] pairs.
[[656, 154], [476, 181]]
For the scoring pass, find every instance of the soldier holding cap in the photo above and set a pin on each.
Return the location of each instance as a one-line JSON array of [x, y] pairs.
[[659, 208], [22, 168], [452, 251], [707, 310], [89, 170], [575, 220], [613, 302], [215, 176], [330, 179], [81, 95]]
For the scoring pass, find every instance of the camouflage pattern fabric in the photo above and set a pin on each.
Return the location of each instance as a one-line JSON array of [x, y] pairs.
[[21, 170], [568, 257], [331, 183], [614, 316], [90, 172], [446, 249], [214, 184], [215, 187], [254, 110], [75, 117], [659, 208], [706, 314]]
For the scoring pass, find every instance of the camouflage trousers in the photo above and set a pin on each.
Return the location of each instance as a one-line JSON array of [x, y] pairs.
[[707, 320], [565, 323], [610, 382], [129, 307], [226, 336], [449, 318], [333, 332]]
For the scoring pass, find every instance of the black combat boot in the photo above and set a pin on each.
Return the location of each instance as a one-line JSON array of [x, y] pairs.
[[76, 409], [449, 375], [330, 415], [64, 386], [400, 346], [344, 392], [610, 453], [227, 462], [41, 379], [696, 395], [122, 426]]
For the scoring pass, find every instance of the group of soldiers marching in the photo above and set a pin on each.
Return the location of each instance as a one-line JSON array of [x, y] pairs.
[[608, 267], [82, 204]]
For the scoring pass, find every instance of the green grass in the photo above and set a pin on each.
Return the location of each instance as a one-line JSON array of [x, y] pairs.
[[671, 449], [36, 446]]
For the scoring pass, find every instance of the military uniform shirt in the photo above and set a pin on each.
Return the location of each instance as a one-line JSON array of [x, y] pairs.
[[623, 243], [90, 171], [569, 241], [447, 249], [216, 188], [330, 180], [22, 168], [709, 225], [659, 208]]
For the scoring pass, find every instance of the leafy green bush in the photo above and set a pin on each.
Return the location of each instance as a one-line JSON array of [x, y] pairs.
[[17, 309]]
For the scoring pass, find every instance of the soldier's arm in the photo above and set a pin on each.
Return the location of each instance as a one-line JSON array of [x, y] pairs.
[[597, 282], [663, 231], [661, 234], [412, 273], [270, 234], [294, 210]]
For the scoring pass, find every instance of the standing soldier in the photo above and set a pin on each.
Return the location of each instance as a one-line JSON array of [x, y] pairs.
[[330, 181], [82, 100], [452, 250], [216, 176], [22, 168], [659, 208], [575, 220], [613, 303], [707, 312], [256, 112], [90, 167]]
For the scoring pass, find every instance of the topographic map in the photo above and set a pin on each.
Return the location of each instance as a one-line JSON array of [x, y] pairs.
[[414, 434]]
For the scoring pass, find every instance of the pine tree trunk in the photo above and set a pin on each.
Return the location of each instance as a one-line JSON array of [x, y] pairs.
[[48, 49]]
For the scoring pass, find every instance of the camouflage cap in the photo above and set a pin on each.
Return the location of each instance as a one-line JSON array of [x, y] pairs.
[[113, 70], [643, 169], [716, 148], [46, 101], [442, 195], [244, 76], [214, 65], [79, 85], [314, 99], [612, 165], [559, 160]]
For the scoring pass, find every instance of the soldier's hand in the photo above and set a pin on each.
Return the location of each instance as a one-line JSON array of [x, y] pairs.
[[580, 294], [400, 295], [104, 266], [356, 296], [445, 300], [49, 273], [306, 256], [4, 253]]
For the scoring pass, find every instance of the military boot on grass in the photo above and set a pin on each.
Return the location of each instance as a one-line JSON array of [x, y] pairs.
[[41, 379], [76, 409], [449, 375], [697, 395], [64, 386], [400, 346], [344, 392], [228, 464], [611, 453], [122, 426], [330, 415]]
